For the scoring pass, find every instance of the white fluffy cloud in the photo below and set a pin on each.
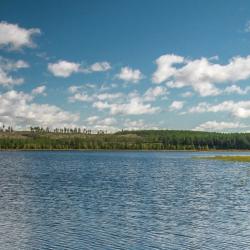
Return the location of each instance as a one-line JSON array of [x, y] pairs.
[[234, 89], [63, 68], [40, 90], [18, 109], [165, 67], [247, 26], [6, 67], [81, 97], [152, 93], [201, 74], [137, 125], [14, 37], [239, 109], [218, 126], [102, 123], [119, 103], [187, 94], [134, 106], [92, 119], [128, 74], [176, 105], [80, 94], [100, 66], [109, 96]]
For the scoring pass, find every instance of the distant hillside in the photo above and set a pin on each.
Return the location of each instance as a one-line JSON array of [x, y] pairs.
[[125, 140]]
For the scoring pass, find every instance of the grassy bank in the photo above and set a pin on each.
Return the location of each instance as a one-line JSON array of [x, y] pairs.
[[237, 158]]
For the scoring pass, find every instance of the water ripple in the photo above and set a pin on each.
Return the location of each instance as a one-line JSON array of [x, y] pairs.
[[122, 200]]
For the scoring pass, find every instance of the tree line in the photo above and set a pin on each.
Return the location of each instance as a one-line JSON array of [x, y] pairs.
[[65, 130], [124, 140]]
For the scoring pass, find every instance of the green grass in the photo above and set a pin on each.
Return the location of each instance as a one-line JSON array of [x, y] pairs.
[[239, 158]]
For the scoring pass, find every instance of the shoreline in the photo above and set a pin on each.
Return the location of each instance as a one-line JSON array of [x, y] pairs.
[[123, 150]]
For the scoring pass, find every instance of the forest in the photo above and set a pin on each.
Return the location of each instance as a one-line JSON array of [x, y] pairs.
[[42, 139]]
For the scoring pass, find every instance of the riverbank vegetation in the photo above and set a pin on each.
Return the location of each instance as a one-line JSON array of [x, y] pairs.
[[123, 140], [237, 158]]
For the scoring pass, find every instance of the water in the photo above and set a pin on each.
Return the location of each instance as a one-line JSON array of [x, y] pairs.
[[122, 200]]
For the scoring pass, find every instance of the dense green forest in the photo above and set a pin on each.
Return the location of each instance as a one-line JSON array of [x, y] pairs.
[[124, 140]]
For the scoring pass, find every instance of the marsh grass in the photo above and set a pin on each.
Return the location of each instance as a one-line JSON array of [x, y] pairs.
[[239, 158]]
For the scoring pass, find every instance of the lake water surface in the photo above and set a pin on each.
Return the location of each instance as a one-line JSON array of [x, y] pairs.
[[123, 200]]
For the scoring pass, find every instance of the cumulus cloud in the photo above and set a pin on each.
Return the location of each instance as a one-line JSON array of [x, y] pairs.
[[165, 67], [109, 96], [14, 37], [240, 109], [100, 66], [81, 97], [73, 89], [6, 67], [128, 74], [80, 94], [133, 107], [176, 105], [201, 74], [187, 94], [110, 124], [234, 89], [18, 109], [92, 119], [119, 103], [138, 124], [63, 68], [102, 123], [40, 90], [247, 26], [152, 93], [219, 126]]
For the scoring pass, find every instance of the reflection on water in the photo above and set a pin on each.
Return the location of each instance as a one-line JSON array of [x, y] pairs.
[[122, 200]]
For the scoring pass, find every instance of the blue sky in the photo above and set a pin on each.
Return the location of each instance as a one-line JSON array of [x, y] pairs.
[[125, 64]]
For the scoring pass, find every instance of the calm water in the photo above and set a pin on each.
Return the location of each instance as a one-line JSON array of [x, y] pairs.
[[122, 200]]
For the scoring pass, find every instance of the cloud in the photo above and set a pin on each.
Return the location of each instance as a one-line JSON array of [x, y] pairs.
[[109, 124], [82, 97], [92, 119], [108, 121], [134, 106], [119, 103], [18, 109], [102, 123], [14, 37], [165, 67], [233, 89], [128, 74], [40, 90], [109, 96], [247, 26], [152, 93], [80, 94], [100, 66], [63, 68], [201, 74], [137, 125], [219, 126], [7, 66], [176, 105], [187, 94], [239, 109], [73, 89]]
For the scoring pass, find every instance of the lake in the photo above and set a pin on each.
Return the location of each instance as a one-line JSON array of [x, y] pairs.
[[123, 200]]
